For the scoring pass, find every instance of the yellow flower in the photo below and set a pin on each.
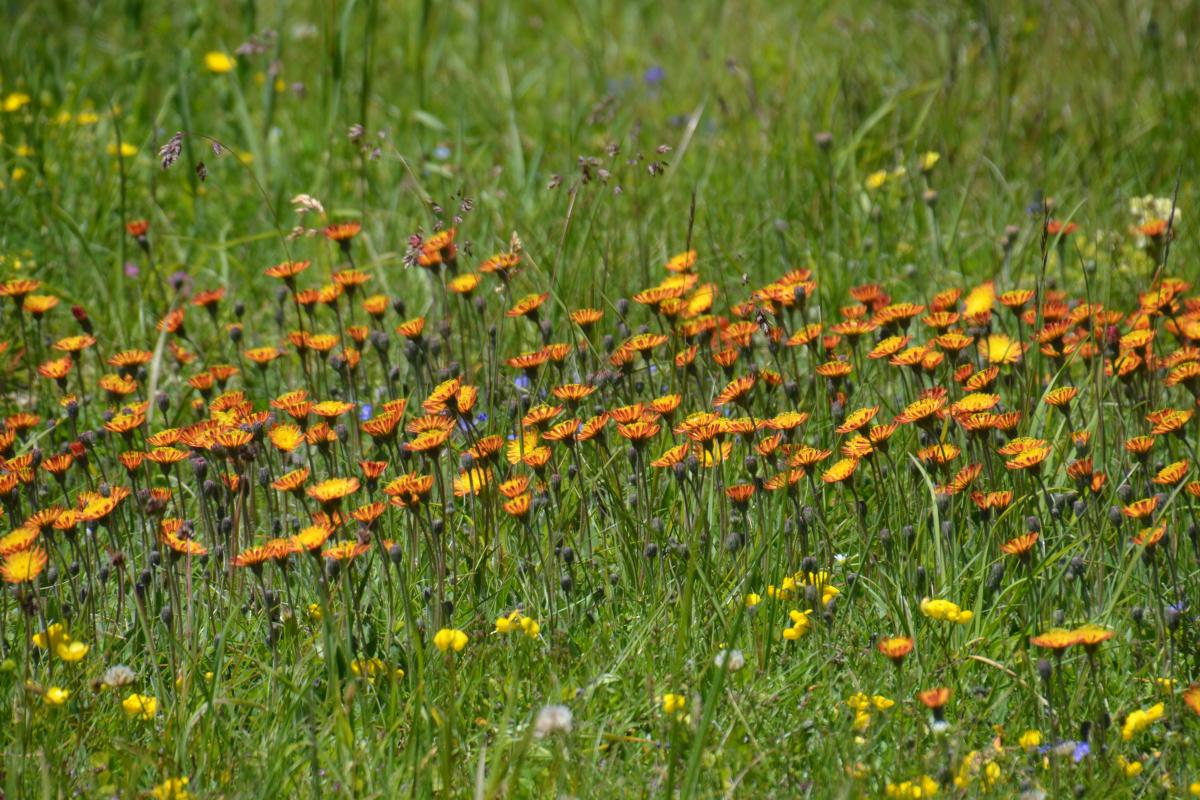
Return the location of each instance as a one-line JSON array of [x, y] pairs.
[[928, 160], [924, 786], [876, 179], [1030, 739], [127, 150], [314, 612], [71, 651], [16, 101], [1194, 789], [801, 624], [218, 62], [1140, 719], [1131, 768], [752, 600], [171, 789], [450, 639], [142, 706], [55, 634], [673, 704], [945, 611], [87, 118], [55, 696], [508, 623], [530, 626]]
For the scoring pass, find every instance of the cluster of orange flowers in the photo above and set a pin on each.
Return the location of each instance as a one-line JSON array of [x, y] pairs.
[[354, 428]]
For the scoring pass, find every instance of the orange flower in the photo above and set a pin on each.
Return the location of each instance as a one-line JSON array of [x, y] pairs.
[[1191, 696], [333, 490], [1056, 640], [841, 471], [896, 648], [342, 232], [23, 566], [288, 270], [934, 699], [527, 305], [1091, 636], [1020, 546], [1141, 509]]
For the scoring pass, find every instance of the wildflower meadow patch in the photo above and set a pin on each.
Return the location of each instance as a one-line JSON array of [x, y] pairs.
[[485, 400]]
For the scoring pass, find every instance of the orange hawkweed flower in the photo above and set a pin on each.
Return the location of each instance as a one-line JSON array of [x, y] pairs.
[[740, 494], [292, 481], [1191, 696], [586, 317], [1020, 546], [1141, 509], [527, 306], [856, 419], [1149, 537], [287, 270], [735, 391], [1030, 459], [896, 648], [253, 557], [921, 411], [23, 566], [519, 506], [934, 699], [841, 471], [342, 232], [311, 538], [1168, 420], [1056, 640], [332, 490], [1092, 636]]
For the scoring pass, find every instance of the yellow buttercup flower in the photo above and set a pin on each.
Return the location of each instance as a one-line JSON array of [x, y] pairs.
[[55, 696], [876, 179], [218, 62], [673, 704], [16, 101], [1140, 719], [171, 789], [142, 706], [450, 639], [1030, 740], [71, 651], [126, 149], [945, 611], [54, 635]]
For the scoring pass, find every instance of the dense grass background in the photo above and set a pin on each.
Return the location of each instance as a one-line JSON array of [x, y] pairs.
[[495, 103]]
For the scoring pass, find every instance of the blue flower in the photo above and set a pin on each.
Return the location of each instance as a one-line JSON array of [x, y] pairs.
[[521, 382], [654, 76], [364, 413]]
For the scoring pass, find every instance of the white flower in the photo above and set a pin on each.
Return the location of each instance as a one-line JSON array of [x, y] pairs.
[[552, 719], [117, 676], [732, 660]]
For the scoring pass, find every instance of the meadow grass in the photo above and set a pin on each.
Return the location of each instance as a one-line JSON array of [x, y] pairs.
[[872, 473]]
